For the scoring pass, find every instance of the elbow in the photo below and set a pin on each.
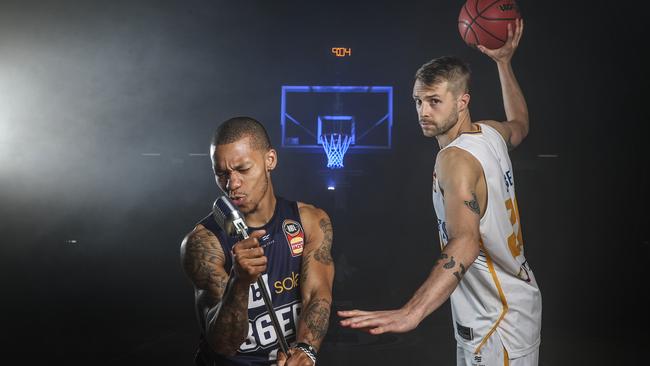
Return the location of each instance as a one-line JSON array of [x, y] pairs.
[[322, 297], [519, 131], [525, 129], [473, 249]]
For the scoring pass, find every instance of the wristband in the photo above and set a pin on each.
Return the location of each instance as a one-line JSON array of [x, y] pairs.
[[307, 349]]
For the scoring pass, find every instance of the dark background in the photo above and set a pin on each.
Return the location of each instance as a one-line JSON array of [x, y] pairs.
[[90, 225]]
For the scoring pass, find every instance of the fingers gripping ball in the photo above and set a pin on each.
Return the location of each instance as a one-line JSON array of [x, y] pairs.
[[485, 22]]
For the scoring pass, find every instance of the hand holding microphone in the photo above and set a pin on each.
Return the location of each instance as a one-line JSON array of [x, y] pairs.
[[248, 258]]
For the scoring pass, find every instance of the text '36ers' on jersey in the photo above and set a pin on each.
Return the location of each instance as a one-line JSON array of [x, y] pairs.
[[498, 294]]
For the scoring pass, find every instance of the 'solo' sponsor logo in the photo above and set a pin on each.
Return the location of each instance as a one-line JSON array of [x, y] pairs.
[[287, 284]]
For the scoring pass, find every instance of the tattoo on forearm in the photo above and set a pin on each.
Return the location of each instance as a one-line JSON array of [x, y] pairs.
[[317, 320], [450, 264], [473, 204], [459, 274], [231, 325], [323, 253]]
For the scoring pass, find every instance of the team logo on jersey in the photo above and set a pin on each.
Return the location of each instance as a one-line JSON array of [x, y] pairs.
[[295, 236]]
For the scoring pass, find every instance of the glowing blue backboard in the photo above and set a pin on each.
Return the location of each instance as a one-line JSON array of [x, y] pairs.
[[363, 113]]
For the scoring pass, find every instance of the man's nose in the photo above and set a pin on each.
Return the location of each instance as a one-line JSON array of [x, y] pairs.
[[424, 110]]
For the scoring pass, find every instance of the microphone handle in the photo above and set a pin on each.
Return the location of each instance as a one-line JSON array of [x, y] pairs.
[[284, 346]]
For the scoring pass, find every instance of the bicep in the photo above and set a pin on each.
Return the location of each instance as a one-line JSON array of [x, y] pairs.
[[462, 213], [460, 176], [203, 262], [317, 272]]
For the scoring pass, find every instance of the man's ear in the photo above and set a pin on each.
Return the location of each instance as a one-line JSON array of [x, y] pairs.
[[463, 102], [271, 159]]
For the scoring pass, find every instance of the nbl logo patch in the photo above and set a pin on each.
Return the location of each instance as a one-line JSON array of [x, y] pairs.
[[295, 236]]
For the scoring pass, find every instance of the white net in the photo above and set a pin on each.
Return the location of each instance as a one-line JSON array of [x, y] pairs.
[[335, 145]]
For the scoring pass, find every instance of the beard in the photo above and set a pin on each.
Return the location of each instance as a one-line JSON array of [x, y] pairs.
[[438, 129]]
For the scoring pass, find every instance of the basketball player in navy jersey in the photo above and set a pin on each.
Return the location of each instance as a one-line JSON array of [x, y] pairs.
[[289, 248], [496, 303]]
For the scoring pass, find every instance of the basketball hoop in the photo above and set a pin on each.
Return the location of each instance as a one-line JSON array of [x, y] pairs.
[[335, 145]]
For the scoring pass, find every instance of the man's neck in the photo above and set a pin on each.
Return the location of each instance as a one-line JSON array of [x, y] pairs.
[[464, 124], [263, 213]]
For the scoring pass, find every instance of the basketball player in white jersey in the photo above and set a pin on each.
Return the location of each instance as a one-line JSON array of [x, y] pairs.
[[496, 304]]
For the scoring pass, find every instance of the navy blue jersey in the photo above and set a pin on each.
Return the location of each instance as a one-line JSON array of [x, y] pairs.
[[283, 244]]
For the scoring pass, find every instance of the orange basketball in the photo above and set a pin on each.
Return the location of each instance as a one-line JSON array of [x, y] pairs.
[[485, 22]]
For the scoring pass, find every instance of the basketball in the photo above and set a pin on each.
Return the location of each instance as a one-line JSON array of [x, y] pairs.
[[485, 22]]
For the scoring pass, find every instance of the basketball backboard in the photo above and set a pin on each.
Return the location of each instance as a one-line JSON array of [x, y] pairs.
[[363, 113]]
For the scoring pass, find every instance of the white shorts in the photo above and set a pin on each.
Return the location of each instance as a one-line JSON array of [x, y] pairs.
[[494, 354]]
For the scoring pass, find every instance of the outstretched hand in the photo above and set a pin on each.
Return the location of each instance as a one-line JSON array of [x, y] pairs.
[[379, 322], [504, 54]]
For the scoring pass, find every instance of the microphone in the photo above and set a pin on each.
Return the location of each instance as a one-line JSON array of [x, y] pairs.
[[231, 221], [229, 218]]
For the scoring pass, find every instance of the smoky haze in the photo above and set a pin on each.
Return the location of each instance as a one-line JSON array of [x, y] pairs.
[[106, 113]]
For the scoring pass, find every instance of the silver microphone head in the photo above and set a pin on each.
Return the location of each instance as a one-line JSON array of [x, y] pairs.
[[221, 212], [228, 216]]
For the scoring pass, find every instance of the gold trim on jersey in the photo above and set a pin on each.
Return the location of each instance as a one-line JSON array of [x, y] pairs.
[[473, 132], [501, 295]]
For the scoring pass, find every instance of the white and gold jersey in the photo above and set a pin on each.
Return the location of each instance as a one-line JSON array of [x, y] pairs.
[[498, 292]]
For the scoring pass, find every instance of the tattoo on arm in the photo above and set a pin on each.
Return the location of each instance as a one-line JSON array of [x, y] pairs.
[[317, 320], [230, 327], [323, 253], [459, 274], [473, 204], [451, 264], [201, 262]]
